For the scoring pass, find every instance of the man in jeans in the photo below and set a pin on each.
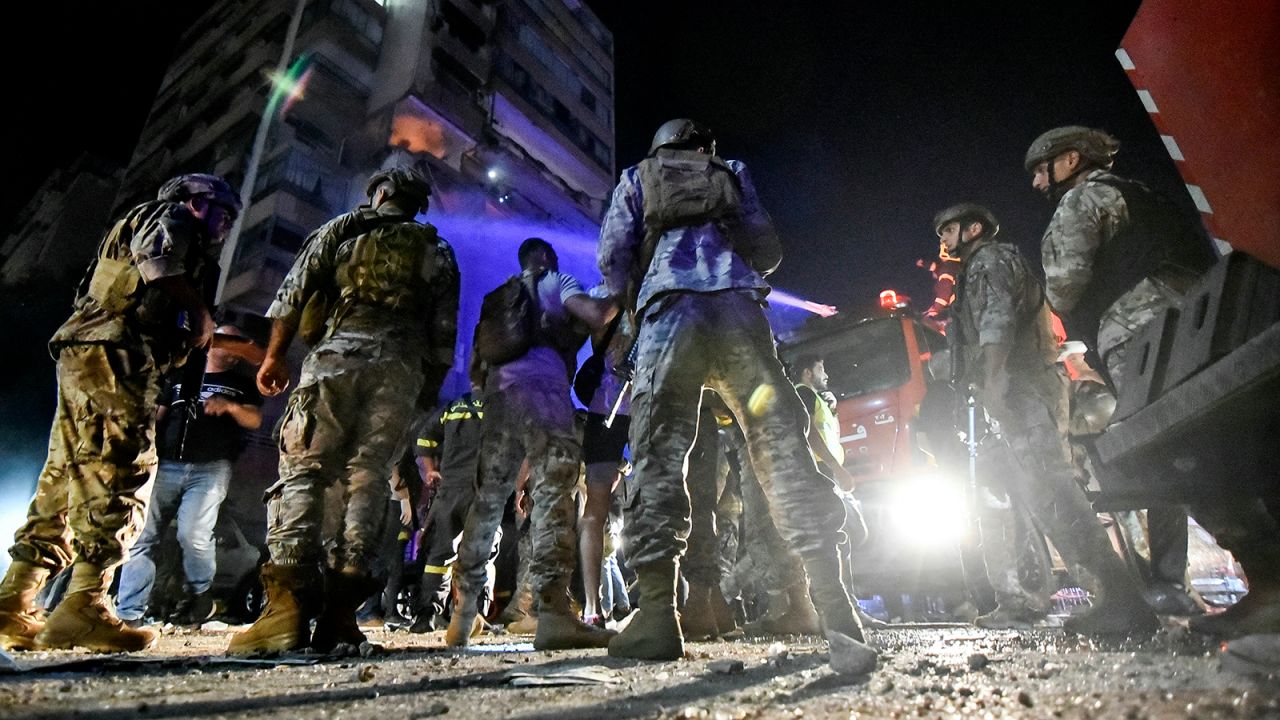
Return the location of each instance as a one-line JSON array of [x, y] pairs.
[[191, 483]]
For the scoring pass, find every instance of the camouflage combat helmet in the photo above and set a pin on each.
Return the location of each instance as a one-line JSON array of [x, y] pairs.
[[967, 211], [1095, 146], [184, 187], [683, 131], [409, 182]]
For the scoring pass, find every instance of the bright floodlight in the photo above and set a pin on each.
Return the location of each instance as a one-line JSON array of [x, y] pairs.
[[493, 173]]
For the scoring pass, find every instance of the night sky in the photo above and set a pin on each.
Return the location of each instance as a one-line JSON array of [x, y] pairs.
[[858, 123]]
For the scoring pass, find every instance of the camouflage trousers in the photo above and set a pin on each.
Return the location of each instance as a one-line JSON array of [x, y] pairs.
[[702, 563], [347, 422], [533, 421], [775, 568], [101, 451], [1043, 477], [1127, 317], [722, 341]]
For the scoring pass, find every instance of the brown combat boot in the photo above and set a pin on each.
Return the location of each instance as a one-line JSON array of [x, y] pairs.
[[344, 591], [653, 631], [789, 613], [697, 619], [83, 619], [519, 616], [284, 624], [560, 628], [850, 655], [465, 622], [20, 619]]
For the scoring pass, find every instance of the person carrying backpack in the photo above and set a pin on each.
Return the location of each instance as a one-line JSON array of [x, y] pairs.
[[529, 333]]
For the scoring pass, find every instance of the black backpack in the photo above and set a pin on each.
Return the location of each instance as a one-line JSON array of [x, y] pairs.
[[508, 324]]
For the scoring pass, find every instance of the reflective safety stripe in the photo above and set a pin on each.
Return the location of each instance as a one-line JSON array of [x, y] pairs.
[[427, 443], [435, 569]]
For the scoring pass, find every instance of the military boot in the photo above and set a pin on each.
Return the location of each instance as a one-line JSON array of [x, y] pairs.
[[653, 631], [83, 619], [726, 625], [850, 655], [790, 612], [560, 628], [20, 619], [519, 616], [285, 622], [697, 619], [466, 622], [1119, 608], [344, 591]]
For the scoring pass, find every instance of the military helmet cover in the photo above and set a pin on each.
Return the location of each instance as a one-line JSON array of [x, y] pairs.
[[184, 187], [967, 211], [681, 131], [1096, 146], [406, 180]]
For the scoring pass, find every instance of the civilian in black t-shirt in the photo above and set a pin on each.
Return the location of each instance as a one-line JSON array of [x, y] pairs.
[[192, 481]]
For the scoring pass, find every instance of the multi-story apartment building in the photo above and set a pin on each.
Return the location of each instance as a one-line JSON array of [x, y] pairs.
[[509, 103], [54, 236]]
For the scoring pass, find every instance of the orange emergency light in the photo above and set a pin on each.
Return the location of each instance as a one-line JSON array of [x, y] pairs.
[[891, 300]]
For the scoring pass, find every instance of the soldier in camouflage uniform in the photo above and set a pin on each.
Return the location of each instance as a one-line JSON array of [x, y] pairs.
[[1115, 258], [123, 334], [529, 415], [385, 288], [687, 244], [1001, 333]]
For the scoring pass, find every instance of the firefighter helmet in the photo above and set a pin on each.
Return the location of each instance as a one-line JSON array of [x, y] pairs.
[[409, 182], [970, 212], [185, 187], [683, 131], [1096, 146]]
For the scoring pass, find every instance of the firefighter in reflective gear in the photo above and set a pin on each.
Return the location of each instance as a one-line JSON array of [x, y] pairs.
[[123, 334], [686, 244], [1116, 256], [1002, 335], [387, 291], [944, 271]]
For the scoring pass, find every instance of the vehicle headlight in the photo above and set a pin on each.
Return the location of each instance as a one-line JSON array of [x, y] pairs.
[[928, 510]]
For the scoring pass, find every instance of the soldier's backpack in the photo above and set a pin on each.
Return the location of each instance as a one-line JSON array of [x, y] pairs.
[[508, 324]]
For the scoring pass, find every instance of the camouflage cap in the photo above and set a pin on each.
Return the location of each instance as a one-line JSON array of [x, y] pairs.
[[407, 181], [682, 131], [967, 211], [1096, 146], [184, 187]]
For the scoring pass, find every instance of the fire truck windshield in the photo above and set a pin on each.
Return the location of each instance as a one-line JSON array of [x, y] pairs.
[[868, 357]]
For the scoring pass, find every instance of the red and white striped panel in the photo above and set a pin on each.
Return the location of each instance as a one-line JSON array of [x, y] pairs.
[[1209, 80]]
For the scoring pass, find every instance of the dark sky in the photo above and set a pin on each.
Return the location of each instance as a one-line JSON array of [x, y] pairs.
[[858, 122]]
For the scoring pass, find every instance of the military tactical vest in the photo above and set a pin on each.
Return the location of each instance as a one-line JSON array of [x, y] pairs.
[[966, 352], [682, 188], [1158, 239], [115, 284], [389, 267]]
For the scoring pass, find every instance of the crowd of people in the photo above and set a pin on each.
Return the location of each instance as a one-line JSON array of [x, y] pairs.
[[697, 452]]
